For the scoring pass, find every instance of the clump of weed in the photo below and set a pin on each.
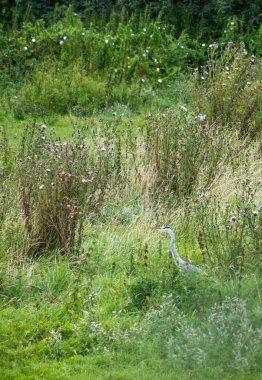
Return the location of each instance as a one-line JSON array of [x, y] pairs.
[[57, 186], [183, 151], [229, 235], [232, 89]]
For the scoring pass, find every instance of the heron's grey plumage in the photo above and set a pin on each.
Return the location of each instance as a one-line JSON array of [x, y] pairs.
[[182, 264]]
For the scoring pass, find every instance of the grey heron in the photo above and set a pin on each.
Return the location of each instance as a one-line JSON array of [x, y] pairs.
[[182, 264]]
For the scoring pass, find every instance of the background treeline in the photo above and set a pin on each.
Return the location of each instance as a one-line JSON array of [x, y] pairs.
[[202, 18]]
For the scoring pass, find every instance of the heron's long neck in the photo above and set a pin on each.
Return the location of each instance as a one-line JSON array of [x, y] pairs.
[[172, 246]]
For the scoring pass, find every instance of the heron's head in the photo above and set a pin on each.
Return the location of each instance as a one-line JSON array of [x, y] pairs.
[[166, 229]]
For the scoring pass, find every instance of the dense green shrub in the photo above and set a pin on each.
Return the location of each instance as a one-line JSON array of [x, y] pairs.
[[96, 62], [55, 90]]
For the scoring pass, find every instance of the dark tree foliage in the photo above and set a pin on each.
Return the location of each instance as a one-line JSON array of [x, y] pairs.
[[196, 17]]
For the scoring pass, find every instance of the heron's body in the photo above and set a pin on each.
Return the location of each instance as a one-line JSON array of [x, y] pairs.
[[182, 264]]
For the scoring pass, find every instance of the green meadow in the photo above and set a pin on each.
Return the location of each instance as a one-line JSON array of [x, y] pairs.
[[116, 119]]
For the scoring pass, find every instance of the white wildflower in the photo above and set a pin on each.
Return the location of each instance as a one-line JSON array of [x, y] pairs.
[[201, 117], [86, 314], [56, 335]]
